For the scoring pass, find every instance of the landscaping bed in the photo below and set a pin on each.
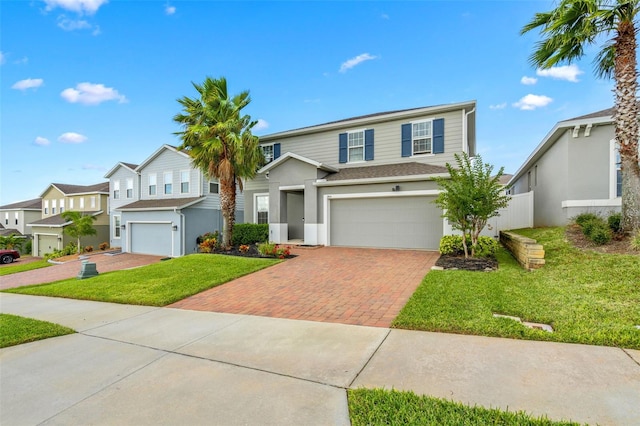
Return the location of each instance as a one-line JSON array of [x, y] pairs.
[[451, 262]]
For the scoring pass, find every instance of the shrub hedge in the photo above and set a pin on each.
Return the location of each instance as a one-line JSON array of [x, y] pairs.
[[250, 233], [452, 244]]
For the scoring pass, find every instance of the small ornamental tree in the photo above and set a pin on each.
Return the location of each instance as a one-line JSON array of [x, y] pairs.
[[470, 197], [81, 225]]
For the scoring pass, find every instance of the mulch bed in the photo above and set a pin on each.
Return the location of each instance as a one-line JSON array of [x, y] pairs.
[[618, 245], [451, 262], [252, 252]]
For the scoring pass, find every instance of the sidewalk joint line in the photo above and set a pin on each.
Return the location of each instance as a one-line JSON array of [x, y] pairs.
[[370, 358], [629, 355]]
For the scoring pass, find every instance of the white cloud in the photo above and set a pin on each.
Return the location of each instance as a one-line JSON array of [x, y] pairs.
[[2, 58], [92, 94], [68, 24], [531, 102], [79, 6], [72, 137], [565, 72], [355, 61], [170, 10], [261, 125], [28, 83], [21, 61], [384, 16], [40, 141], [498, 106], [528, 81]]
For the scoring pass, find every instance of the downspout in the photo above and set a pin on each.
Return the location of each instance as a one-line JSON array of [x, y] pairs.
[[182, 232], [465, 139]]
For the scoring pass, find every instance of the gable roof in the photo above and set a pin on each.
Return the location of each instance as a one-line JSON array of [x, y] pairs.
[[6, 232], [288, 155], [132, 167], [602, 117], [372, 118], [165, 147], [386, 170], [161, 204], [66, 189], [34, 204], [58, 221]]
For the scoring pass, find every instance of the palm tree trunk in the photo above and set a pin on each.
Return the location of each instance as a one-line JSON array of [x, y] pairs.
[[228, 207], [626, 123]]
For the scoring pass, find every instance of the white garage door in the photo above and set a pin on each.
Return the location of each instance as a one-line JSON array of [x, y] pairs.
[[151, 238], [391, 222], [47, 244]]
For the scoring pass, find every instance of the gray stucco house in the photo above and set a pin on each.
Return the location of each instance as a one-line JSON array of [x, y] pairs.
[[365, 181], [575, 169], [15, 217], [163, 204]]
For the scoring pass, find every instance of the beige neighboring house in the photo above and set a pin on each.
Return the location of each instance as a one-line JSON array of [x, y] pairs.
[[48, 230], [15, 217]]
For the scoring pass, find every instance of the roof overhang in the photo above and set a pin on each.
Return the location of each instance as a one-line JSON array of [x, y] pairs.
[[386, 179], [144, 208], [116, 167], [291, 155]]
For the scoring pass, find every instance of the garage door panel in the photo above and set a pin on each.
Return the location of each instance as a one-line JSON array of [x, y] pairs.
[[47, 244], [151, 238], [392, 222]]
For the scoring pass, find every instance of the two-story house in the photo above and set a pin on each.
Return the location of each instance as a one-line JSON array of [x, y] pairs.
[[365, 181], [162, 205], [575, 169], [48, 231], [15, 217]]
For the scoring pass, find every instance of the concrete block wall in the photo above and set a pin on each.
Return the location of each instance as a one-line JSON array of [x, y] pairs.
[[527, 251]]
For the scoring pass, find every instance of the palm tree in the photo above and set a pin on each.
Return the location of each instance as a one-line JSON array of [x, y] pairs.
[[566, 31], [219, 140], [81, 225]]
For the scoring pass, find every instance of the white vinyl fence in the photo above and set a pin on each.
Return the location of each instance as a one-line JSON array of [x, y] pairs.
[[518, 214]]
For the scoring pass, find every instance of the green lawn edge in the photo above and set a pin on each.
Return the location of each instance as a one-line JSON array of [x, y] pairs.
[[22, 267], [158, 284], [16, 330], [392, 407], [587, 297]]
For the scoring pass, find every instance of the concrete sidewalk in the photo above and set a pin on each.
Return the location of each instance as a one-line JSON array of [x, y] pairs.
[[146, 365]]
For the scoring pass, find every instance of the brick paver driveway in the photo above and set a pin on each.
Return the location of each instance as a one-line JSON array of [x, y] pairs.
[[329, 284], [104, 263]]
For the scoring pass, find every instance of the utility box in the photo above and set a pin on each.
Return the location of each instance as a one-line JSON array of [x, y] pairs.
[[87, 270]]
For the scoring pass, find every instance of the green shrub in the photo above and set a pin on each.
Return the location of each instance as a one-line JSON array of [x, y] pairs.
[[274, 250], [266, 249], [487, 247], [615, 222], [452, 244], [600, 234], [250, 233], [28, 248], [582, 218]]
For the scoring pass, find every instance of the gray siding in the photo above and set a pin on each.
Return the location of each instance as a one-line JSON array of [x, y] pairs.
[[589, 165], [121, 175], [200, 221], [169, 161]]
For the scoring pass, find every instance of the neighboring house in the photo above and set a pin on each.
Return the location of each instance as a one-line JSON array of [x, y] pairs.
[[48, 231], [162, 205], [575, 169], [15, 217], [365, 181]]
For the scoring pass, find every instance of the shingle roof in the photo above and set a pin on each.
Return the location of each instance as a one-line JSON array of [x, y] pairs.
[[56, 220], [130, 165], [35, 204], [603, 113], [161, 204], [386, 170], [7, 232], [81, 189]]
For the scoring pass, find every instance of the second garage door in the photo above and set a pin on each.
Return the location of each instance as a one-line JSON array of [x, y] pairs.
[[391, 222], [151, 238], [47, 244]]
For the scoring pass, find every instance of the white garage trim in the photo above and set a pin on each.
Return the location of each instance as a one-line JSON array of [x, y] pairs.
[[36, 240], [328, 197], [157, 222]]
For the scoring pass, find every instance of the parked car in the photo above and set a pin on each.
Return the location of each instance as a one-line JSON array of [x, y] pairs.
[[8, 256]]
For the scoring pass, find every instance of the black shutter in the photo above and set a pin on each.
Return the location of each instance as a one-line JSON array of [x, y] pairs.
[[276, 151], [438, 136], [342, 148], [368, 144], [406, 140]]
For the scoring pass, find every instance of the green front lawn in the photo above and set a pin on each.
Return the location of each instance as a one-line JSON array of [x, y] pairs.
[[382, 407], [21, 267], [586, 297], [158, 284], [15, 330]]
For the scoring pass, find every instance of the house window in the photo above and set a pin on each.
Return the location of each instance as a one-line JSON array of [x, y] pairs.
[[116, 226], [16, 217], [618, 165], [61, 205], [535, 175], [168, 182], [93, 202], [129, 188], [6, 218], [116, 189], [70, 203], [267, 150], [262, 208], [356, 145], [153, 184], [53, 206], [81, 203], [529, 181], [184, 182], [421, 137], [214, 188]]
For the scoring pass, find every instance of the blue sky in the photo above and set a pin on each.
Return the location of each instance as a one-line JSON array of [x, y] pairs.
[[87, 83]]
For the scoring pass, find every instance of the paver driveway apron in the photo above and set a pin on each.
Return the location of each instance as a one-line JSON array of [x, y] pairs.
[[329, 284]]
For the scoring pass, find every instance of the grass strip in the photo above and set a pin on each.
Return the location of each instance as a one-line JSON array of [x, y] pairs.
[[158, 284], [22, 267], [383, 407], [15, 330], [587, 297]]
